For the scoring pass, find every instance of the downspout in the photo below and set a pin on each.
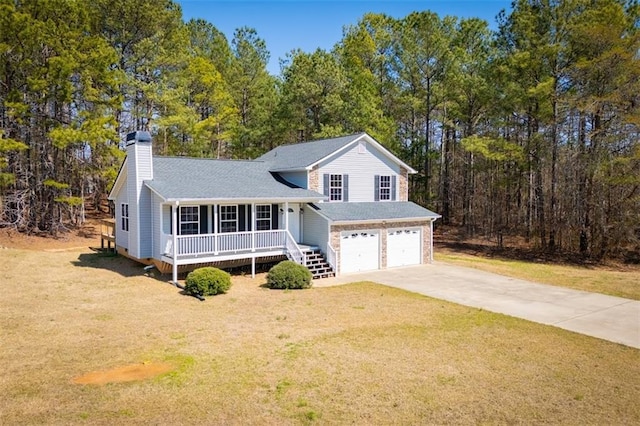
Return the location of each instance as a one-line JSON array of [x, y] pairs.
[[174, 235]]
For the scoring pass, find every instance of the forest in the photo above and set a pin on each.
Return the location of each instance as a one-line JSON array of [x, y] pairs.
[[530, 130]]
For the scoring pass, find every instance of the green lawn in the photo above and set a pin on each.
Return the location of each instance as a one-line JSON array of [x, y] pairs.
[[621, 281], [353, 354]]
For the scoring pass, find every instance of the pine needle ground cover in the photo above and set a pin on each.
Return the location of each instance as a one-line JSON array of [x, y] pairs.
[[359, 353]]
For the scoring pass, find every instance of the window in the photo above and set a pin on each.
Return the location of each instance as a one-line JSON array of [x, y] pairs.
[[124, 213], [228, 218], [263, 217], [189, 220], [335, 188], [385, 188]]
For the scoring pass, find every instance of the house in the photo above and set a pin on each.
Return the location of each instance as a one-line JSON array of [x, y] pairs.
[[336, 205]]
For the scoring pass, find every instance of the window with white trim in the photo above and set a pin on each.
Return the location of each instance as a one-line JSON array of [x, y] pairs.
[[385, 188], [189, 220], [335, 188], [263, 217], [228, 218], [124, 214]]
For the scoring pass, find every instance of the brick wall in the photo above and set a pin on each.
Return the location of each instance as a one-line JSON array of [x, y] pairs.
[[403, 183], [383, 227], [314, 180]]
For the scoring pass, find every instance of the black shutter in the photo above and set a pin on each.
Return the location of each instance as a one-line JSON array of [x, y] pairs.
[[170, 220], [250, 217], [325, 184], [274, 216], [393, 188], [204, 220], [345, 187], [178, 216], [376, 188], [242, 214]]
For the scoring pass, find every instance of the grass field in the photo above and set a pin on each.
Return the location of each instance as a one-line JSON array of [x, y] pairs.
[[621, 281], [359, 353]]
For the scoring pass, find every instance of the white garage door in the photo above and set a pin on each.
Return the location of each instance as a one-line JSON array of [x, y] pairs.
[[403, 247], [359, 251]]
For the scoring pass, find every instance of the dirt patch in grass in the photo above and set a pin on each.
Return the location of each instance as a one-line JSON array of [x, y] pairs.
[[126, 373]]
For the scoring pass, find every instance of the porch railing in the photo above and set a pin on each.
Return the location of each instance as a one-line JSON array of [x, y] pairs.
[[293, 250], [332, 257], [213, 244]]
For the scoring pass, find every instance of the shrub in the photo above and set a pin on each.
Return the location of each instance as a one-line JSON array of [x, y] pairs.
[[289, 275], [207, 282]]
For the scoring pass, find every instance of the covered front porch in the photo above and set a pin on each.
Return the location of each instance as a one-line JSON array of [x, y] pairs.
[[210, 233]]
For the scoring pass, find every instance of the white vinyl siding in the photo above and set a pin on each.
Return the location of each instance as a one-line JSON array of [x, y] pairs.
[[145, 225], [316, 229], [361, 169], [122, 237], [140, 166], [158, 224]]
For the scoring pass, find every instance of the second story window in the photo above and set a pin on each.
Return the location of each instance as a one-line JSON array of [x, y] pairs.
[[385, 188], [335, 188]]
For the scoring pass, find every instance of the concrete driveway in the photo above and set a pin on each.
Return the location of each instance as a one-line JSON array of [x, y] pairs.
[[606, 317]]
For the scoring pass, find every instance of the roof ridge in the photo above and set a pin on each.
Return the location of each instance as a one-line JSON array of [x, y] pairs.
[[230, 160], [321, 140]]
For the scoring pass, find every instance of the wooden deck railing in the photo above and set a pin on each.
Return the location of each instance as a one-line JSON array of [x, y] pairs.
[[107, 232]]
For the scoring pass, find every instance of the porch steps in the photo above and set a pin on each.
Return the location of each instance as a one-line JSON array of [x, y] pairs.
[[317, 264]]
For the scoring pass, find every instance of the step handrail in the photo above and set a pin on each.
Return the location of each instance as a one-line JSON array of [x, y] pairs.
[[294, 252]]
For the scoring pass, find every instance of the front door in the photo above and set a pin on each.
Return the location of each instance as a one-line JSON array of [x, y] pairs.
[[294, 222]]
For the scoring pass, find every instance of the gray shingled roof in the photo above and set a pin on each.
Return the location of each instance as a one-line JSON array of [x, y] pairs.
[[298, 156], [181, 178], [339, 212]]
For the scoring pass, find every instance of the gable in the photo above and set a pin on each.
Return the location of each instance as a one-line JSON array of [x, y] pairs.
[[120, 182], [307, 155], [362, 149]]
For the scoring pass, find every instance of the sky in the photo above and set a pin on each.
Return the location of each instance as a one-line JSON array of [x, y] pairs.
[[310, 24]]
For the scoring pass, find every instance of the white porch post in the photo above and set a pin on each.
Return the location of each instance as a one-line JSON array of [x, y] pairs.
[[253, 234], [215, 228], [174, 232], [286, 215], [253, 266]]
